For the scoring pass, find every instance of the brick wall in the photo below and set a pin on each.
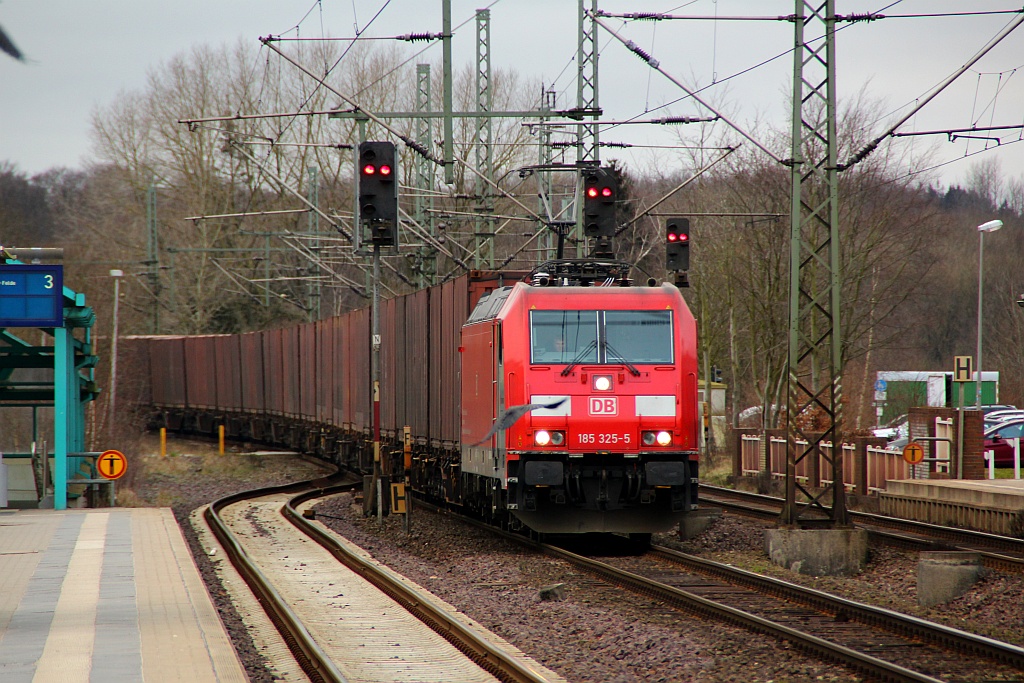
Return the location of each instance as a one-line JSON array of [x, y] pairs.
[[922, 424]]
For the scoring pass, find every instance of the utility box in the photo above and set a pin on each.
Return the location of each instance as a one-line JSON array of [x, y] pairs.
[[717, 423]]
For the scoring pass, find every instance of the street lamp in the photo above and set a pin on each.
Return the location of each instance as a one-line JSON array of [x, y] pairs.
[[990, 226], [112, 407]]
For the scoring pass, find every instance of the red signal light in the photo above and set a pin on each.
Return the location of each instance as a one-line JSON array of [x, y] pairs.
[[672, 237], [684, 238], [385, 170], [591, 192], [606, 192], [369, 169]]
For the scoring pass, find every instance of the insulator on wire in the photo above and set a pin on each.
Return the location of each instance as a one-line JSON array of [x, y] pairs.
[[645, 16], [639, 52], [854, 18], [417, 37]]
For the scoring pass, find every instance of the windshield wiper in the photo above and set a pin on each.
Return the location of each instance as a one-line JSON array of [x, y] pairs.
[[615, 354], [579, 357]]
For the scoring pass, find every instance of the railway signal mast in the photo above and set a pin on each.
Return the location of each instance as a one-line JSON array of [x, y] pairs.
[[677, 248], [378, 210]]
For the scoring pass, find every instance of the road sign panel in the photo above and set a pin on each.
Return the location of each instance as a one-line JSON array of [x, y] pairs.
[[881, 385], [963, 368], [31, 295], [913, 453], [112, 464]]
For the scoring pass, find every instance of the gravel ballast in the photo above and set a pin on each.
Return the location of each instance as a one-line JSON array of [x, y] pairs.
[[595, 632]]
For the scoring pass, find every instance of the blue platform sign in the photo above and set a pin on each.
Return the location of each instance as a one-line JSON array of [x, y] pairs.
[[31, 295]]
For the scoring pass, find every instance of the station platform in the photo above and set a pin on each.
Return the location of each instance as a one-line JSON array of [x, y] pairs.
[[992, 505], [105, 595]]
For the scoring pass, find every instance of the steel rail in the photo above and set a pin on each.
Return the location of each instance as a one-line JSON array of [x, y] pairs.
[[864, 663], [897, 622], [496, 661], [701, 606], [984, 543], [310, 656]]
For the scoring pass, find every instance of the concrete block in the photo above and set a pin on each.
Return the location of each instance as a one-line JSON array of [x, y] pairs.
[[697, 522], [946, 575], [818, 552]]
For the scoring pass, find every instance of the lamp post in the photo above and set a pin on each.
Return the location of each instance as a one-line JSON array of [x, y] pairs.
[[990, 226], [116, 274]]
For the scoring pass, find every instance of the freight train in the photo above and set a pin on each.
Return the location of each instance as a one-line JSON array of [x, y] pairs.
[[556, 400]]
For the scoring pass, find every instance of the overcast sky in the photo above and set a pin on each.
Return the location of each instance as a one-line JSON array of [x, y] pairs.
[[81, 53]]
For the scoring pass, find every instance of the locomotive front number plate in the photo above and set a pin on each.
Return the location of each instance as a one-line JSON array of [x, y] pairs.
[[604, 439]]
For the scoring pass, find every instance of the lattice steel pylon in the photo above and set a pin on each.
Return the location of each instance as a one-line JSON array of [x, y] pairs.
[[814, 397], [588, 151], [423, 198], [587, 138], [484, 222]]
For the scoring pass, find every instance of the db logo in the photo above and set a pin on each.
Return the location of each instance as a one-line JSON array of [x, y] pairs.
[[604, 405]]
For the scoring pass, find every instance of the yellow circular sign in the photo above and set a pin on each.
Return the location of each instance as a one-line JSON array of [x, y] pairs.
[[112, 464], [913, 453]]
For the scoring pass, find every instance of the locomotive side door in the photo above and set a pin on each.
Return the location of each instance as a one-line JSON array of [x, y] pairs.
[[480, 393]]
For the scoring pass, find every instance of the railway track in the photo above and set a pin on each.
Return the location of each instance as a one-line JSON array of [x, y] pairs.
[[1003, 553], [342, 614], [875, 642]]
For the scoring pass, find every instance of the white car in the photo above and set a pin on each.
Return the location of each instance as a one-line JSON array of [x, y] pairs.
[[896, 429]]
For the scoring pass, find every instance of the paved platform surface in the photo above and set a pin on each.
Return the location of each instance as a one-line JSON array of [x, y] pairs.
[[992, 505], [105, 596], [999, 493]]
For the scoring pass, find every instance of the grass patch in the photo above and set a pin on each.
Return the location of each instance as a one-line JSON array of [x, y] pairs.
[[716, 471]]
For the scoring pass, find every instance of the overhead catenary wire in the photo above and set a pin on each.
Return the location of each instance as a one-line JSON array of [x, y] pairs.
[[873, 144], [656, 65]]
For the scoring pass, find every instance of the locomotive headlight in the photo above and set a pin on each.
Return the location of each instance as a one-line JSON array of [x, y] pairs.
[[542, 437], [662, 438], [602, 383], [557, 438]]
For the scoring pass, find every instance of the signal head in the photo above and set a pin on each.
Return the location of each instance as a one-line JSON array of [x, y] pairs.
[[677, 244]]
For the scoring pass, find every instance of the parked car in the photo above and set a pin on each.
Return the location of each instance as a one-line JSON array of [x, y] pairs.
[[996, 406], [898, 444], [895, 429], [997, 440], [1003, 414]]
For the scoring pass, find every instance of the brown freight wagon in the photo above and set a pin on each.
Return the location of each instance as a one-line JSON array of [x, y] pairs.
[[320, 373], [251, 364]]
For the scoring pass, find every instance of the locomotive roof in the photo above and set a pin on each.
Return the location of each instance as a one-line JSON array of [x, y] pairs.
[[500, 302]]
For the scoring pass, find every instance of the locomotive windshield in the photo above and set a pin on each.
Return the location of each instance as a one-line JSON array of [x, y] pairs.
[[601, 337]]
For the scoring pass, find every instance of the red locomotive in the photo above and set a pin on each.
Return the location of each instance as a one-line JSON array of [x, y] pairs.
[[606, 435], [612, 443]]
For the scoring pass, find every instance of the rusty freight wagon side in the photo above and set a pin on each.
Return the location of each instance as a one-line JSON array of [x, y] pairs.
[[308, 379], [202, 379], [228, 372], [273, 372], [324, 371], [251, 350], [291, 372], [168, 371]]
